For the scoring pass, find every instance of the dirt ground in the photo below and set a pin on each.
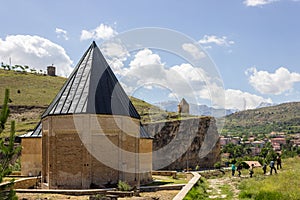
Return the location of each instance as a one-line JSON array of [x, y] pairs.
[[215, 186], [37, 196], [161, 195]]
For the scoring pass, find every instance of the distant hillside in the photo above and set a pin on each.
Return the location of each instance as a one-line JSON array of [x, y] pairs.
[[31, 94], [283, 117]]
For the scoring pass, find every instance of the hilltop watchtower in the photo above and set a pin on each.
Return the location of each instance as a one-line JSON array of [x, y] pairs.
[[183, 107], [51, 71]]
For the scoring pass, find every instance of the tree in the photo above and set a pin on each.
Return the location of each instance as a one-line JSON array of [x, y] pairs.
[[26, 67], [7, 151], [5, 111], [235, 151]]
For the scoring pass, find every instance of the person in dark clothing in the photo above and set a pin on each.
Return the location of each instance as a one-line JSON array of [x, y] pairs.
[[272, 166], [264, 168], [278, 160], [239, 168], [251, 171]]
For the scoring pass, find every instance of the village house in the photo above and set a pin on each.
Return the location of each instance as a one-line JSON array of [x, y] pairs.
[[227, 140], [295, 142], [260, 143], [224, 141]]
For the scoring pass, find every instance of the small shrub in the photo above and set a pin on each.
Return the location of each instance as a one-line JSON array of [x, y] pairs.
[[17, 165], [217, 165], [123, 186]]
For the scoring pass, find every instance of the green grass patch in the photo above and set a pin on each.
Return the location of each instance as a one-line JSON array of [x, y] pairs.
[[199, 191], [165, 180], [226, 190], [29, 89], [284, 185]]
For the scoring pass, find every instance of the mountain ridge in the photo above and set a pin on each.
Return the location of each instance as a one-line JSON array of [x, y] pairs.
[[201, 110]]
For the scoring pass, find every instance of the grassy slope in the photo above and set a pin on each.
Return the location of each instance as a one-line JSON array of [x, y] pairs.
[[34, 90], [30, 94], [284, 185]]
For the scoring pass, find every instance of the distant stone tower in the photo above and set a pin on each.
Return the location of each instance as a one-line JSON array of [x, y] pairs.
[[51, 71], [183, 107]]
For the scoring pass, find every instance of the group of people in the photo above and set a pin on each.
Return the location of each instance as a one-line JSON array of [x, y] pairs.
[[251, 171], [272, 165], [238, 168]]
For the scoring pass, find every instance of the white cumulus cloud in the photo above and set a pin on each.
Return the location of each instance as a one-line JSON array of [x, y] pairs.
[[146, 69], [103, 32], [213, 39], [62, 33], [182, 80], [240, 100], [193, 50], [276, 83], [35, 52], [115, 54], [253, 3]]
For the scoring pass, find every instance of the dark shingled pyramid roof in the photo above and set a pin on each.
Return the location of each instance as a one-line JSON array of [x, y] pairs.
[[36, 133], [92, 88]]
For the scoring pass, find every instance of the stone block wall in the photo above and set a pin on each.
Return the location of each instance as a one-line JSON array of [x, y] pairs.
[[145, 160], [84, 151], [26, 183], [31, 159]]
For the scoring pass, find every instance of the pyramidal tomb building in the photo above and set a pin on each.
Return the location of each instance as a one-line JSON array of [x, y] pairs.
[[91, 132]]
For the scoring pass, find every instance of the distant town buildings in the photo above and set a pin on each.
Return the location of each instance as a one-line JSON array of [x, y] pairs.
[[277, 140]]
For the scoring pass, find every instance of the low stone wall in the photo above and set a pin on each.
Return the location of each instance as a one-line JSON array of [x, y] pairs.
[[161, 187], [183, 192], [165, 173], [26, 183]]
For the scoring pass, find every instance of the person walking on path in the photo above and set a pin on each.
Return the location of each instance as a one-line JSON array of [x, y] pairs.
[[232, 169], [251, 171], [239, 168], [278, 160], [264, 168], [272, 166]]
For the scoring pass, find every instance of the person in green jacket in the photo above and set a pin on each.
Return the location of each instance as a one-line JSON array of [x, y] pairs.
[[232, 169]]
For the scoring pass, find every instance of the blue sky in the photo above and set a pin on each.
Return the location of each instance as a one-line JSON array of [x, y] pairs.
[[255, 43]]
